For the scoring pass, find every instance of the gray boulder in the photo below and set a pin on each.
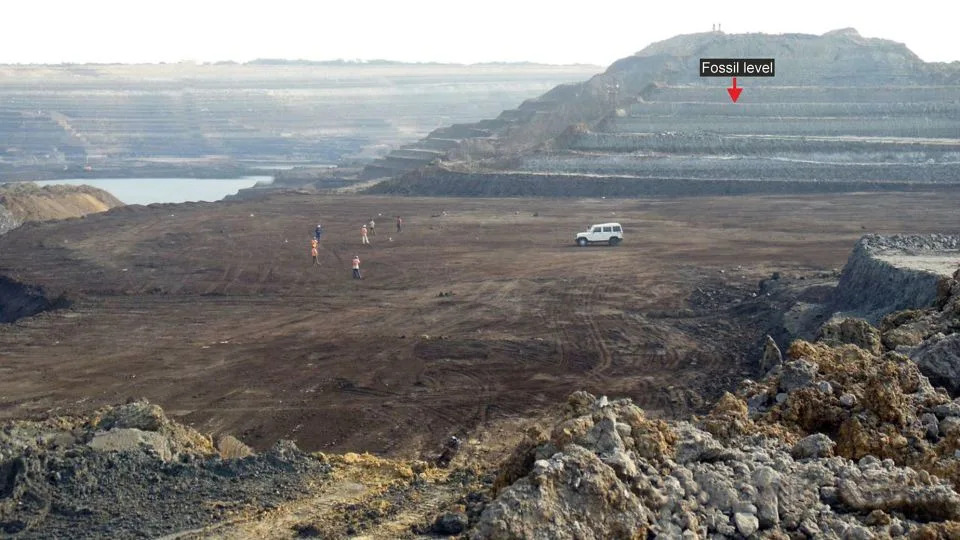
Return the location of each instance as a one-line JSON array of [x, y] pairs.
[[797, 374], [813, 446], [747, 524], [8, 221], [949, 426], [851, 331], [574, 492], [940, 360], [848, 400], [130, 440]]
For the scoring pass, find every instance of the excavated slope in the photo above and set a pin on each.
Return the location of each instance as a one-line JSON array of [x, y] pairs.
[[892, 273], [844, 113]]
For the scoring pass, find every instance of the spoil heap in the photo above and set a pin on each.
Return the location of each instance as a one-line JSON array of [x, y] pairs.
[[130, 471]]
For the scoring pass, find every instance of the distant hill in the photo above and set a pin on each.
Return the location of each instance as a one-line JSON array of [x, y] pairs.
[[24, 202], [842, 108]]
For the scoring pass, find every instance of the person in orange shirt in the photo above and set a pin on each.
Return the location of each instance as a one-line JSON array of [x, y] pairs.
[[314, 252], [356, 267], [363, 236]]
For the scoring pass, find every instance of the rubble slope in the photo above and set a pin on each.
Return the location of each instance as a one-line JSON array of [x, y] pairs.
[[842, 438]]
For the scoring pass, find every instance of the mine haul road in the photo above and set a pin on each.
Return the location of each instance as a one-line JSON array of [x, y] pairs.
[[213, 310]]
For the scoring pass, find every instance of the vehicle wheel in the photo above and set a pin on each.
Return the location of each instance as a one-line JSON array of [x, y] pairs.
[[582, 242], [614, 241]]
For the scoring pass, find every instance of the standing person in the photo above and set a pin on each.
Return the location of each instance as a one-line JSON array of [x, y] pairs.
[[399, 223], [363, 236], [356, 267], [318, 232], [314, 252], [373, 230]]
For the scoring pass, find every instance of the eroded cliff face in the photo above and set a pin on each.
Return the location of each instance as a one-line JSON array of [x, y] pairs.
[[891, 273], [21, 203]]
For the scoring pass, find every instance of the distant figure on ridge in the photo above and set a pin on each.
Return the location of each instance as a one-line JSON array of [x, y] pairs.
[[363, 236], [373, 225], [399, 223], [313, 251], [356, 267]]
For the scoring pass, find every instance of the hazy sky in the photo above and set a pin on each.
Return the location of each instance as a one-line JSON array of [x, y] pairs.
[[591, 31]]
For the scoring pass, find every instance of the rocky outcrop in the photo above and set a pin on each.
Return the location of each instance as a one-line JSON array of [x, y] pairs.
[[885, 274], [883, 294], [870, 400], [929, 336], [939, 358], [24, 202]]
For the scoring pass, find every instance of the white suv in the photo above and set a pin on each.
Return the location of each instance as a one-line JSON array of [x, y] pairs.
[[609, 233]]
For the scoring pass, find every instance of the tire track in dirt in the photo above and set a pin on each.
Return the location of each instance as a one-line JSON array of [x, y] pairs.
[[269, 328], [437, 378], [550, 316], [243, 257], [592, 300]]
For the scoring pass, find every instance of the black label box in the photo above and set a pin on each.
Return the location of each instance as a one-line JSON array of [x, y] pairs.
[[737, 67]]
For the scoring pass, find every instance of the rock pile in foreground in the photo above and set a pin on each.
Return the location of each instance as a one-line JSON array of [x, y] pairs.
[[130, 471], [608, 471], [843, 438]]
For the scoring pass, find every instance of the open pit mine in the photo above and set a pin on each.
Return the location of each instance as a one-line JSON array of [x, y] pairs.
[[771, 351]]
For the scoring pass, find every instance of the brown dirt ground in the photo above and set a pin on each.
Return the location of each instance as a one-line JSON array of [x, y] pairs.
[[213, 311]]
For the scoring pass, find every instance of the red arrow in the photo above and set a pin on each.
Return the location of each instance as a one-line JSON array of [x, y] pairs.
[[734, 91]]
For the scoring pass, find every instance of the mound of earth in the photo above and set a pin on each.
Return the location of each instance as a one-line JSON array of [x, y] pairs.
[[24, 202], [130, 471]]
